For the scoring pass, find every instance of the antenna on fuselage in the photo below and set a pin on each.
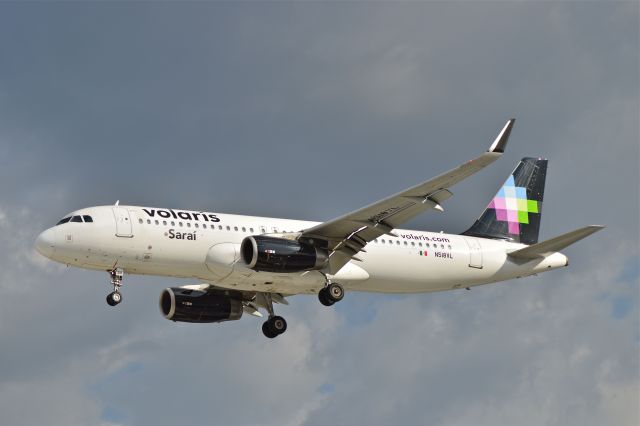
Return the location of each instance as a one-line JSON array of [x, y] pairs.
[[117, 203]]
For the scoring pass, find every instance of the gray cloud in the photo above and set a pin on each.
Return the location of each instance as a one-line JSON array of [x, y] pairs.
[[252, 108]]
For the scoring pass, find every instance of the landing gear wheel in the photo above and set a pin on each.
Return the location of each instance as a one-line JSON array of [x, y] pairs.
[[324, 298], [331, 294], [278, 324], [274, 326], [267, 331], [114, 298], [335, 292]]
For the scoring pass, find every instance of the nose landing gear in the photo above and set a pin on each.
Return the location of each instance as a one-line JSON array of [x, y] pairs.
[[115, 297]]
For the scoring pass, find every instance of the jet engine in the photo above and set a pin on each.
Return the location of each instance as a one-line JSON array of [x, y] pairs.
[[273, 254], [185, 304]]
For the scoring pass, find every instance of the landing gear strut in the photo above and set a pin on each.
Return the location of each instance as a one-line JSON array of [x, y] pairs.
[[330, 293], [275, 325], [115, 297]]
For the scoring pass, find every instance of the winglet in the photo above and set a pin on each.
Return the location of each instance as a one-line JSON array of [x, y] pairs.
[[501, 141]]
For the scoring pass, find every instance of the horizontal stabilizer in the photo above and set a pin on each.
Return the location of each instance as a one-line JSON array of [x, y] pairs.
[[554, 244]]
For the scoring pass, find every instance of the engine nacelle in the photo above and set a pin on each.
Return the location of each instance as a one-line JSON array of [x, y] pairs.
[[188, 305], [273, 254]]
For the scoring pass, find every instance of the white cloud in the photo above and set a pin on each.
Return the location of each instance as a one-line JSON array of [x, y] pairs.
[[59, 400], [19, 231]]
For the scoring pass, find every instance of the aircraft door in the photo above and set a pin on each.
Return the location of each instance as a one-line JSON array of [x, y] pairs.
[[475, 253], [123, 222]]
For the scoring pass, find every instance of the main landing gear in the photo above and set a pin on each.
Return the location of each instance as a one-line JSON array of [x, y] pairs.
[[331, 293], [275, 325], [115, 297]]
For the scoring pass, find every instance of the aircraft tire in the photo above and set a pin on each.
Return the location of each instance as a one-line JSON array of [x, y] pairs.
[[268, 331], [324, 298], [278, 324], [114, 298], [335, 292]]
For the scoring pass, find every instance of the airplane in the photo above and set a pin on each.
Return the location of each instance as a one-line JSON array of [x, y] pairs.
[[244, 263]]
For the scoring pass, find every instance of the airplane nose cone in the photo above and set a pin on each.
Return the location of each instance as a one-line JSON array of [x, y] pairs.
[[45, 243]]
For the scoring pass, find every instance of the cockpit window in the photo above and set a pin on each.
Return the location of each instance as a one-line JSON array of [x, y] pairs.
[[79, 219], [64, 220]]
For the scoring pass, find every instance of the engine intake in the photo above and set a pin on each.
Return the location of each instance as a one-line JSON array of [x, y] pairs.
[[188, 305], [273, 254]]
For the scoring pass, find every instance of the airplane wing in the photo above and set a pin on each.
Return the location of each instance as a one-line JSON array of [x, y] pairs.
[[345, 236]]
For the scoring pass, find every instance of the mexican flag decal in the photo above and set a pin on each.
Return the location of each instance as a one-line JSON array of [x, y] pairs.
[[423, 253]]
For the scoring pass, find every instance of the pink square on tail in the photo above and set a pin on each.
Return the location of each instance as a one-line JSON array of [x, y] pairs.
[[514, 228], [499, 203]]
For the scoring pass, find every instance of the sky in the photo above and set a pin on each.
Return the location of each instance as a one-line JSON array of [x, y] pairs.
[[307, 111]]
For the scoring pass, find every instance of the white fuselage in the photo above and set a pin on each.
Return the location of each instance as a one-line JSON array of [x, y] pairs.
[[206, 247]]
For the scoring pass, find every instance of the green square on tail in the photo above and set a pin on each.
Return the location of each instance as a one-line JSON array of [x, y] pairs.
[[523, 217]]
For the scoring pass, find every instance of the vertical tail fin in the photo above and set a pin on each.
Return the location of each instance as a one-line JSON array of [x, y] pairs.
[[514, 213]]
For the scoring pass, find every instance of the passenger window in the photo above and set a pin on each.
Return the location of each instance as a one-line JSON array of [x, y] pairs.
[[164, 222], [148, 221], [413, 244], [406, 244], [179, 223], [235, 228], [157, 223], [140, 221], [228, 228], [188, 224], [244, 229], [420, 244], [87, 219], [382, 241], [196, 225], [173, 223], [76, 219], [398, 242], [220, 227], [250, 229]]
